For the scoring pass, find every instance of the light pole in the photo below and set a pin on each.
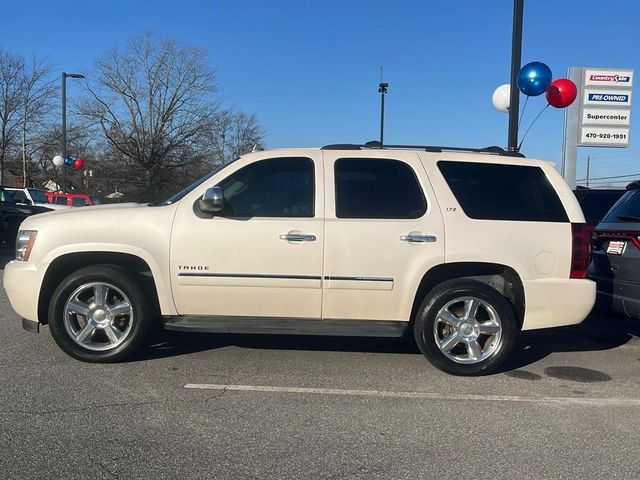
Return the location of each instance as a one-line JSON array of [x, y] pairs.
[[382, 90], [516, 53], [64, 122]]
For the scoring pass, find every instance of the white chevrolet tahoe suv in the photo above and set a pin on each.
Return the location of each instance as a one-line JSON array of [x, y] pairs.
[[462, 247]]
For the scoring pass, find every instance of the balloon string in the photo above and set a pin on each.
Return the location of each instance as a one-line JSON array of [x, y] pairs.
[[523, 109], [531, 125]]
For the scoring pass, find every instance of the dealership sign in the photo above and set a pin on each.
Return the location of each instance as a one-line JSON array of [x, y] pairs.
[[605, 78], [604, 115], [606, 97], [600, 116]]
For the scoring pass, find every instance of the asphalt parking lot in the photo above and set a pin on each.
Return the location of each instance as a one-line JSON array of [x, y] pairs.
[[224, 406]]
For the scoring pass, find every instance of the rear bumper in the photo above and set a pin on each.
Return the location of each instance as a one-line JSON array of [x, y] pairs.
[[618, 296], [557, 302], [22, 282]]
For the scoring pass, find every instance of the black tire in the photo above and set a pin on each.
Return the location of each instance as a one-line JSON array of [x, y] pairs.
[[440, 297], [142, 313]]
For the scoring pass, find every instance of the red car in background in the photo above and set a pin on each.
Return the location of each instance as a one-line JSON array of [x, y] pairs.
[[72, 199]]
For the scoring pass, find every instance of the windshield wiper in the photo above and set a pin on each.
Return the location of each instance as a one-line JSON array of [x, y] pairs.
[[629, 218]]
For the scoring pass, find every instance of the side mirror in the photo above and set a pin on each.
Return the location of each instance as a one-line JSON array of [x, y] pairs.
[[212, 201]]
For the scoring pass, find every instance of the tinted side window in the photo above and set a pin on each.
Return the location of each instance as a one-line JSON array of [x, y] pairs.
[[625, 209], [19, 196], [278, 187], [37, 195], [377, 188], [60, 200], [6, 197], [79, 202], [491, 191]]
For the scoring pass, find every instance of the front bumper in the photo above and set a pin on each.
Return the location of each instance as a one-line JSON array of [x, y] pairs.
[[22, 281], [557, 302]]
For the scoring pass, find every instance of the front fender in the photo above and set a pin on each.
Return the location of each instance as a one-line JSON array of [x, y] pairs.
[[160, 271]]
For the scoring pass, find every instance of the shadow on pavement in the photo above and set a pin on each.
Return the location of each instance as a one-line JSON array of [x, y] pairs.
[[597, 332], [176, 343], [594, 334]]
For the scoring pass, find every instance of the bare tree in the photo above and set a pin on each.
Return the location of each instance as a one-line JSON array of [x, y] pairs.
[[155, 101], [38, 93], [234, 134], [246, 134], [46, 144], [11, 101]]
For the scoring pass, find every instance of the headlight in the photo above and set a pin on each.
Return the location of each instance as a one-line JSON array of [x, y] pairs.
[[24, 244]]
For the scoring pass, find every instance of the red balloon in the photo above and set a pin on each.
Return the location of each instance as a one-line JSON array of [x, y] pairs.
[[78, 163], [561, 93]]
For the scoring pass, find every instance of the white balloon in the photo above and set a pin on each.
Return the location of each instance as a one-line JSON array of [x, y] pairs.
[[502, 97], [58, 161]]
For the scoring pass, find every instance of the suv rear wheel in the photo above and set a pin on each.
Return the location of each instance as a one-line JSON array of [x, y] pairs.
[[99, 314], [465, 327]]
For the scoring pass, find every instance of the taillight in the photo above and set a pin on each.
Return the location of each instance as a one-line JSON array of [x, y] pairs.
[[580, 250], [631, 235]]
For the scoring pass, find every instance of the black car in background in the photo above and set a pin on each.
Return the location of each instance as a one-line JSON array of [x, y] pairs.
[[615, 265], [12, 215], [596, 202]]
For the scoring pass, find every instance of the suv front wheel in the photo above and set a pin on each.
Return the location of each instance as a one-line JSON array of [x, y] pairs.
[[465, 327], [99, 314]]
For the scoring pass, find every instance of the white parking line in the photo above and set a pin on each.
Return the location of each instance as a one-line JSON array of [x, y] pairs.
[[593, 401]]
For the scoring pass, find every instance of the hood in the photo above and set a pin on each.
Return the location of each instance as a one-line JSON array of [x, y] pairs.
[[125, 227], [84, 216]]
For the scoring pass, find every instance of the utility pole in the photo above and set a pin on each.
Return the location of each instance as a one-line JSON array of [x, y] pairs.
[[588, 165], [516, 54]]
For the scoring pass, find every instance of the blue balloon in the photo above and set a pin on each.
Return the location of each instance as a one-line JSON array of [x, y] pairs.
[[69, 160], [534, 79]]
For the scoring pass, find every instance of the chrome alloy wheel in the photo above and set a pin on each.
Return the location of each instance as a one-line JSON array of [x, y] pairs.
[[98, 316], [467, 330]]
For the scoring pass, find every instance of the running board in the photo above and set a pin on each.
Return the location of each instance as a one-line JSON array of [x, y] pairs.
[[286, 326]]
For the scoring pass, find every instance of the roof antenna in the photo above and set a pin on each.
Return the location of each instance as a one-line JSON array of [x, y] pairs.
[[382, 90]]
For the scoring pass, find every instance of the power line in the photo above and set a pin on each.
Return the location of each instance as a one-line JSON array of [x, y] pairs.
[[613, 165], [613, 181], [617, 155], [607, 178]]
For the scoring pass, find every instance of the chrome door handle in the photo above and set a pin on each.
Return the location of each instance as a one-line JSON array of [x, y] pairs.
[[298, 237], [414, 237]]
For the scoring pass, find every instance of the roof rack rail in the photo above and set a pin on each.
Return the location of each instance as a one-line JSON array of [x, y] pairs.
[[427, 148]]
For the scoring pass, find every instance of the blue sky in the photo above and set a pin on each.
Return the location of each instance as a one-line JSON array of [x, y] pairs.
[[309, 70]]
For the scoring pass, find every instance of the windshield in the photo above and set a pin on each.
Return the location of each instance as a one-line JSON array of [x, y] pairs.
[[37, 195], [6, 197], [182, 193]]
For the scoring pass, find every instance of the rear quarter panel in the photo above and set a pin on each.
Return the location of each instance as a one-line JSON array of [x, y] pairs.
[[540, 252]]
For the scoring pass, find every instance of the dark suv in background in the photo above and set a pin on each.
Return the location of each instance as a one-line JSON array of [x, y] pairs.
[[11, 216], [616, 257]]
